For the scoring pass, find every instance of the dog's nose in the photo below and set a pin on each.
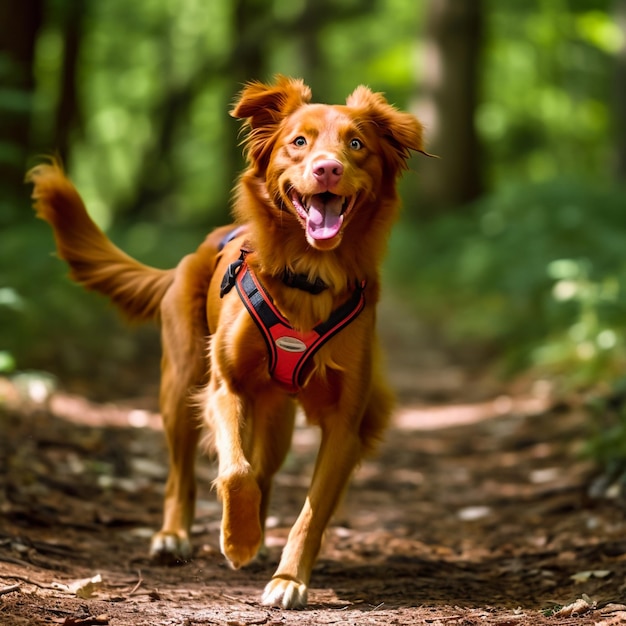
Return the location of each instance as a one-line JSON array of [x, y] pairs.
[[328, 172]]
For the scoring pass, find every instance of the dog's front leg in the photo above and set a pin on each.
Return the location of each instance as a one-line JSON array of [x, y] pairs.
[[241, 531], [340, 450]]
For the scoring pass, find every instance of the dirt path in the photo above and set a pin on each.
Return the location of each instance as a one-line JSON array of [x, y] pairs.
[[474, 512]]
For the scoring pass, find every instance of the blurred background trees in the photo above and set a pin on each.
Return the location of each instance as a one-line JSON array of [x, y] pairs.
[[512, 241]]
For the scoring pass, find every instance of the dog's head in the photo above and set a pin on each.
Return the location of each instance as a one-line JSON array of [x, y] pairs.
[[322, 164]]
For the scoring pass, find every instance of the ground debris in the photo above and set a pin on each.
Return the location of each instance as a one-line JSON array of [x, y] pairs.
[[9, 589], [576, 609], [100, 620], [82, 588], [451, 526]]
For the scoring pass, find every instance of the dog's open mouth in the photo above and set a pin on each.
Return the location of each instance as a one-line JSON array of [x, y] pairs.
[[322, 213]]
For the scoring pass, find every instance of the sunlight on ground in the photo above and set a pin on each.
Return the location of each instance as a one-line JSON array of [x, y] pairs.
[[446, 416], [427, 417]]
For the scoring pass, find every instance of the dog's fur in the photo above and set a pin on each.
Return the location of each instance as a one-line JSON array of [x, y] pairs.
[[318, 198]]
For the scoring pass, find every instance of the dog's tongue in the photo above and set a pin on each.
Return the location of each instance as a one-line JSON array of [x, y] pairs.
[[325, 219]]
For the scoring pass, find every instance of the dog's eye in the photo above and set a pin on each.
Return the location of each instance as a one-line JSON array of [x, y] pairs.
[[300, 142], [356, 144]]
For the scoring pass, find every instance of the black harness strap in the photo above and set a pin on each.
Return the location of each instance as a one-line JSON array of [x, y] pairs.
[[302, 282], [291, 279]]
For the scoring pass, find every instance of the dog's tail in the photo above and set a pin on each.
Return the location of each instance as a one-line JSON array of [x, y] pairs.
[[94, 260]]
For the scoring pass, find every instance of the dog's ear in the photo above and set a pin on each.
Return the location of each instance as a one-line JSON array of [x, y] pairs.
[[264, 107], [263, 104], [401, 132]]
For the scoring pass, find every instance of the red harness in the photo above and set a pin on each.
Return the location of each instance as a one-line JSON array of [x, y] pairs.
[[289, 350]]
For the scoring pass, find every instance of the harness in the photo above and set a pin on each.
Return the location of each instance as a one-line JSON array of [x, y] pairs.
[[289, 350]]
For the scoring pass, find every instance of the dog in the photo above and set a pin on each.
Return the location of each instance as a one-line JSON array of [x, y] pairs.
[[274, 311]]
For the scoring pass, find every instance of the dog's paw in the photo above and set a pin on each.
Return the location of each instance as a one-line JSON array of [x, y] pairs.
[[240, 545], [169, 548], [241, 534], [286, 593]]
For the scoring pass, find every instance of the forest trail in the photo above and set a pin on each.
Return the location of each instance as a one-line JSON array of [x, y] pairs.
[[474, 511]]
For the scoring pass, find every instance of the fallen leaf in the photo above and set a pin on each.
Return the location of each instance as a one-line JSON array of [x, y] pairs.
[[583, 577], [576, 608], [83, 588]]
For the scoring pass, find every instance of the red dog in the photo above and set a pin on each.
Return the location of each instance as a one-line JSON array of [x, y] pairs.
[[282, 311]]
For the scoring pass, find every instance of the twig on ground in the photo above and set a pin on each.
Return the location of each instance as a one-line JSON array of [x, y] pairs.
[[137, 585], [9, 589], [29, 581]]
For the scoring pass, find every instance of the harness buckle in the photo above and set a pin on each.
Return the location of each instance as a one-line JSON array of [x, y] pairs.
[[232, 271]]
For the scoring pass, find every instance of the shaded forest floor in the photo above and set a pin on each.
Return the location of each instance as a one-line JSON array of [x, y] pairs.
[[475, 511]]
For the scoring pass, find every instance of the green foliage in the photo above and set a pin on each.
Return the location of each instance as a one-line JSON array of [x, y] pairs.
[[546, 106], [361, 51], [538, 272], [11, 301], [49, 323]]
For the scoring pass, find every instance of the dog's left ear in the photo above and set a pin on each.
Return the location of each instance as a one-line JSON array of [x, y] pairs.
[[264, 107], [401, 132]]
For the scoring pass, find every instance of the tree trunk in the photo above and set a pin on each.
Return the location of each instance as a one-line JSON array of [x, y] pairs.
[[19, 27], [620, 95], [447, 103], [68, 114]]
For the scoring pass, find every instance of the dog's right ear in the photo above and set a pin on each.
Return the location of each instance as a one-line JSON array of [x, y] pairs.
[[263, 107]]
